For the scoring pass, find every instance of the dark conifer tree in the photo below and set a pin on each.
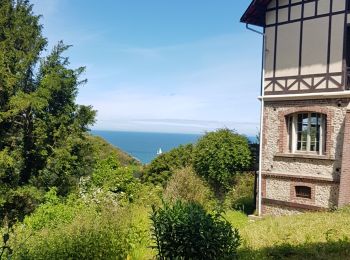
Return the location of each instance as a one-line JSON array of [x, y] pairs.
[[42, 129]]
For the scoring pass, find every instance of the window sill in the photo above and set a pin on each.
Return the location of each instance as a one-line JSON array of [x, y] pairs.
[[299, 176], [304, 156]]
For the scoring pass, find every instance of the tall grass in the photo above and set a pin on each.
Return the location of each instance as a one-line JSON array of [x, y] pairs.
[[320, 235], [187, 186]]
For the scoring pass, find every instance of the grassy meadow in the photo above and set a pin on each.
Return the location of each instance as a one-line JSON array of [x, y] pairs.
[[319, 235], [108, 215]]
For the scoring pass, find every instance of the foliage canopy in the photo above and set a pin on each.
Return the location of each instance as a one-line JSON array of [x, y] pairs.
[[219, 155], [162, 167], [42, 141]]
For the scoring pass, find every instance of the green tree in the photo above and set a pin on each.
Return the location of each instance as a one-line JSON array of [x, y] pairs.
[[219, 155], [161, 168], [42, 129]]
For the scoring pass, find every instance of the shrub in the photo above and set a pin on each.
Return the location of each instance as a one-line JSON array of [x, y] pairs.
[[58, 230], [241, 196], [186, 186], [219, 155], [87, 237], [15, 204], [55, 212], [109, 176], [187, 231], [161, 168]]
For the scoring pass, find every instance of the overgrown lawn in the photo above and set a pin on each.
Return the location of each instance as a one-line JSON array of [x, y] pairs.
[[322, 235]]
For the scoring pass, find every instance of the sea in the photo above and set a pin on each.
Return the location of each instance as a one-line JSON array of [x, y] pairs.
[[143, 145]]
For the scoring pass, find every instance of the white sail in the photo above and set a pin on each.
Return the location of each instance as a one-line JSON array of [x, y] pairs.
[[159, 151]]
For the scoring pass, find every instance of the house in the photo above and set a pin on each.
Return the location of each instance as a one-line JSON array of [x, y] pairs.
[[305, 137]]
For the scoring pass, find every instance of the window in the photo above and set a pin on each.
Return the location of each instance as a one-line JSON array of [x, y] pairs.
[[303, 192], [307, 133]]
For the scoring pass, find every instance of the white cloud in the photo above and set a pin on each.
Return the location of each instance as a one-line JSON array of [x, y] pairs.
[[176, 126]]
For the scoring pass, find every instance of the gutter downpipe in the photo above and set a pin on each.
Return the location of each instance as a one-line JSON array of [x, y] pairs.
[[261, 115]]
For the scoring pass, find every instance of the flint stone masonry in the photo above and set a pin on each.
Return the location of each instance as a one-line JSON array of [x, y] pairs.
[[277, 189], [326, 195], [280, 211], [323, 195], [324, 172], [312, 167], [307, 167]]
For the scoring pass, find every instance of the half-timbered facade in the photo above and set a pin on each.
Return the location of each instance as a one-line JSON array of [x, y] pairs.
[[305, 139]]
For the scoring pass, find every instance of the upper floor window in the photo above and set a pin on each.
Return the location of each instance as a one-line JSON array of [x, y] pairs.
[[307, 133]]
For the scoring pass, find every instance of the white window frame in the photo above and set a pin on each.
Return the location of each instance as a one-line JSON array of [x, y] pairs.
[[292, 125]]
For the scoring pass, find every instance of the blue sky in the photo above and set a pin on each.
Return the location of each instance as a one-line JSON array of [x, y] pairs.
[[161, 66]]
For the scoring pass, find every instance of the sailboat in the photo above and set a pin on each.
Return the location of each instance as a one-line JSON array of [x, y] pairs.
[[159, 152]]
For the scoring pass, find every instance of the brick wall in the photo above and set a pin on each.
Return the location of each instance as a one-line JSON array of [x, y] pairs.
[[344, 189]]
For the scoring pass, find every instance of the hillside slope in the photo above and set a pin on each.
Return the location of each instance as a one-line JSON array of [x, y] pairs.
[[105, 149]]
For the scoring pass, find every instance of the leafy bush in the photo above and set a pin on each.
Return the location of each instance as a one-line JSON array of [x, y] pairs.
[[109, 176], [187, 231], [219, 155], [74, 230], [88, 236], [55, 211], [80, 228], [186, 186], [161, 168], [15, 204], [241, 196]]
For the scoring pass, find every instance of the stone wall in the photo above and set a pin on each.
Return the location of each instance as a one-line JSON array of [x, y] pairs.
[[273, 139], [324, 194], [320, 173], [280, 211]]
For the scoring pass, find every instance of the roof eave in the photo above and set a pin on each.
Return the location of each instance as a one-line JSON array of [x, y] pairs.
[[255, 13]]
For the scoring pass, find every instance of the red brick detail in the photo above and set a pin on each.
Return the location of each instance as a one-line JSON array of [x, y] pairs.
[[344, 188], [299, 178], [263, 194], [283, 133], [263, 187], [294, 198], [293, 201], [292, 205], [263, 208]]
